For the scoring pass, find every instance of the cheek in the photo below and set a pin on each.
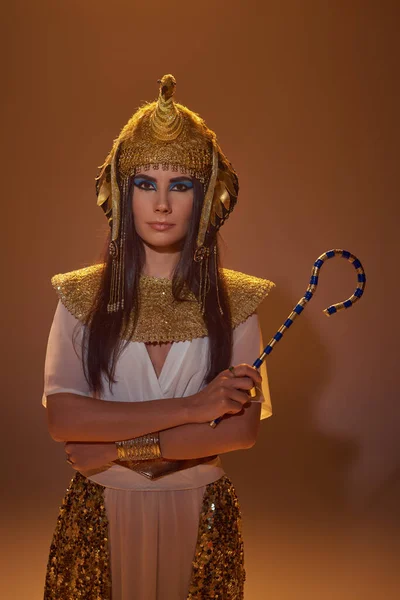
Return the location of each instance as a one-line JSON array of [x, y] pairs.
[[186, 208], [140, 208]]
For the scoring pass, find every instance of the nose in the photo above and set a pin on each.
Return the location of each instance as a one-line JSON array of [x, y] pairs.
[[162, 204]]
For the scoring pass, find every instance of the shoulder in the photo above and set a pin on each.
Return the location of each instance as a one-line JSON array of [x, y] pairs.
[[245, 293], [77, 289]]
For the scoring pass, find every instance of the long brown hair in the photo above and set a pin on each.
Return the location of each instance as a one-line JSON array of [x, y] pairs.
[[103, 341]]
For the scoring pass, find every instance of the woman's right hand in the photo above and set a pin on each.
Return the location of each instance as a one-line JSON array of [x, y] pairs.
[[225, 394]]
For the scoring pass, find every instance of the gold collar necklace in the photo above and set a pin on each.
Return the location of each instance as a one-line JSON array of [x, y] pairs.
[[161, 317]]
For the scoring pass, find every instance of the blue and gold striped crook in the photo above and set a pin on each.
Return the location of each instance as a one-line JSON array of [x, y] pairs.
[[298, 309]]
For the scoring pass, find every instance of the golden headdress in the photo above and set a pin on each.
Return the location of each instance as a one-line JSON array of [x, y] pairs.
[[168, 134]]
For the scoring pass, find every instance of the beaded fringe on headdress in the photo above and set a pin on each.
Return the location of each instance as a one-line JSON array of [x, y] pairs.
[[117, 251]]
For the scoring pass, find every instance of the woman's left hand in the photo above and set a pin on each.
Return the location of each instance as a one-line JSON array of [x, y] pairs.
[[85, 456]]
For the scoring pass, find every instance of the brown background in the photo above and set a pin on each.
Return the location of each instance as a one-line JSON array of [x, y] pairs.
[[304, 98]]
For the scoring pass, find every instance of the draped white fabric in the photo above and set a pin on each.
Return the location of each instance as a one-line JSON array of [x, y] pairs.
[[182, 375], [152, 524]]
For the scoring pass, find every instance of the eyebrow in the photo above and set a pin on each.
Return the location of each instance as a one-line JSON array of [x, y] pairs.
[[172, 180]]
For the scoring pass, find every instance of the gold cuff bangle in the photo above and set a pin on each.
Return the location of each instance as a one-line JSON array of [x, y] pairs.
[[145, 447]]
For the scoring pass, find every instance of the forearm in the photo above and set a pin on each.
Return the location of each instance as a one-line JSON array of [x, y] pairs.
[[195, 440], [73, 418]]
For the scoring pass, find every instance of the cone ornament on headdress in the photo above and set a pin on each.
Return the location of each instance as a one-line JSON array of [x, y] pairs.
[[166, 121], [167, 134]]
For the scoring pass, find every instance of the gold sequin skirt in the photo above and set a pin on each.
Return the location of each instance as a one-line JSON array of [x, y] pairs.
[[79, 564]]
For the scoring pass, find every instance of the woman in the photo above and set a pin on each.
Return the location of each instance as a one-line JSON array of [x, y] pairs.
[[137, 370]]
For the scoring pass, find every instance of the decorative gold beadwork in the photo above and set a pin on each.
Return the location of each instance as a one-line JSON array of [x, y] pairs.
[[79, 563], [218, 565], [162, 318]]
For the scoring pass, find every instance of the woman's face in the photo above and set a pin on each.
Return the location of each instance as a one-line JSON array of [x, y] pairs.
[[162, 203]]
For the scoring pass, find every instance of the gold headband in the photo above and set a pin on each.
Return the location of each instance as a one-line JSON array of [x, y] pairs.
[[168, 134]]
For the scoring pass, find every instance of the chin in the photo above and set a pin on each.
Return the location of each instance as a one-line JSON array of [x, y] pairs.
[[163, 242]]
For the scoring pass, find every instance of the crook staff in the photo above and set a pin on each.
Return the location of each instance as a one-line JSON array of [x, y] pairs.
[[298, 309]]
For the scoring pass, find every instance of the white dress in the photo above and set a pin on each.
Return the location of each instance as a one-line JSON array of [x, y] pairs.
[[152, 524]]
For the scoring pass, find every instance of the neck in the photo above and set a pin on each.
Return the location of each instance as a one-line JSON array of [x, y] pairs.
[[160, 262]]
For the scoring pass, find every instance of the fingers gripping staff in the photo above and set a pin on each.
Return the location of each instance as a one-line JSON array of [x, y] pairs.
[[298, 309]]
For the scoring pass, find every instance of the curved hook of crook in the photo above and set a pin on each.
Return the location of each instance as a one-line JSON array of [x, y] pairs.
[[298, 309], [361, 279]]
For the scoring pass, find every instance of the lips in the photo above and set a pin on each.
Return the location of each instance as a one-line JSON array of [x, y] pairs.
[[161, 226]]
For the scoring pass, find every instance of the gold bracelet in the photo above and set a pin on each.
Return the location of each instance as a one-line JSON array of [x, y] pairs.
[[144, 447]]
